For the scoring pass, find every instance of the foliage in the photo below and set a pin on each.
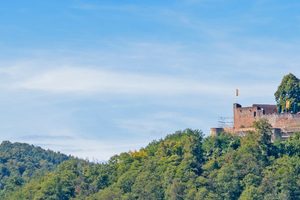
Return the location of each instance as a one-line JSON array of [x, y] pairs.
[[20, 162], [288, 90], [184, 165]]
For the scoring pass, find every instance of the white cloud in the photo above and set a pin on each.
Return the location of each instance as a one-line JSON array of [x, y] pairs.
[[81, 80]]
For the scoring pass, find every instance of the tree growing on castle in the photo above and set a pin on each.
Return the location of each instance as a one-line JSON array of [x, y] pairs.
[[288, 90]]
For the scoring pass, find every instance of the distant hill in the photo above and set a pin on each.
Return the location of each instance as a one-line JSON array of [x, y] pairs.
[[23, 162]]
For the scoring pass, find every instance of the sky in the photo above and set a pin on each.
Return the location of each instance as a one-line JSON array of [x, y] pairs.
[[97, 78]]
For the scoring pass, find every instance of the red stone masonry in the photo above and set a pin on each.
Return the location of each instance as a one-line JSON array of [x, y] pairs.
[[283, 123], [244, 116]]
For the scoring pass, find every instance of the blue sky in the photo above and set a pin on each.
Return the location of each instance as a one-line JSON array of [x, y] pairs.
[[96, 78]]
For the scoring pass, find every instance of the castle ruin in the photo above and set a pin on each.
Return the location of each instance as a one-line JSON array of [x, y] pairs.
[[284, 124]]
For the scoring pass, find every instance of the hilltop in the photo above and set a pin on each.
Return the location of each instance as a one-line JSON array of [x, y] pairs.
[[21, 162], [183, 165]]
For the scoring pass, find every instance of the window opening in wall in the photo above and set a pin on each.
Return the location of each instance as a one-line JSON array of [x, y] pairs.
[[240, 111], [254, 114]]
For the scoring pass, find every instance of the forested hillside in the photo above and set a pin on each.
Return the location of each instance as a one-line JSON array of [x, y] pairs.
[[20, 162], [184, 165]]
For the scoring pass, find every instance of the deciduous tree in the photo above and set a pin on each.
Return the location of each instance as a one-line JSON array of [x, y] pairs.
[[288, 90]]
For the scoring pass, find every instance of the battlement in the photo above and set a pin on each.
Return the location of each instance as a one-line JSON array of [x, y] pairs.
[[284, 124], [244, 116]]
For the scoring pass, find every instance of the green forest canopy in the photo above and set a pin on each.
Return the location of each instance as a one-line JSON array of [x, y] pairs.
[[22, 162], [183, 165]]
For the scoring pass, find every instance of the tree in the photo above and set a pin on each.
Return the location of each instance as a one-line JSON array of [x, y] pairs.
[[263, 129], [288, 90], [292, 144]]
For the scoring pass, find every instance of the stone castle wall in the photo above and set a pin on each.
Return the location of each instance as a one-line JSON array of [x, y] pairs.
[[284, 124], [245, 116], [283, 120]]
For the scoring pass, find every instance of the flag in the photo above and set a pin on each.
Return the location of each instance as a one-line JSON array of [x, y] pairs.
[[237, 92], [287, 104]]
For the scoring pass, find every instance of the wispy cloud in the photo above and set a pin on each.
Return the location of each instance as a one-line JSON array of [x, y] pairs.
[[162, 121], [46, 137], [155, 70], [83, 147], [81, 80]]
